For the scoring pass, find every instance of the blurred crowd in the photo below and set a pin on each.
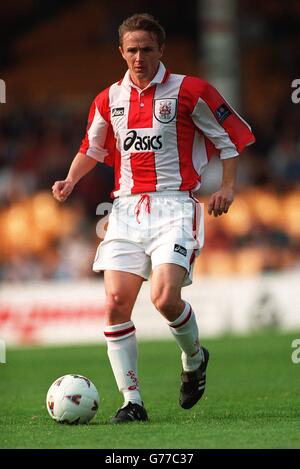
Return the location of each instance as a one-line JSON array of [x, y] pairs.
[[42, 239]]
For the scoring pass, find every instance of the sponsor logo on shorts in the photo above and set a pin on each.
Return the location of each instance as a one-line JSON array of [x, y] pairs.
[[180, 249], [136, 141], [117, 111]]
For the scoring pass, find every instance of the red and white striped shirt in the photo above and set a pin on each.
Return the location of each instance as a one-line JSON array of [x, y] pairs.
[[162, 137]]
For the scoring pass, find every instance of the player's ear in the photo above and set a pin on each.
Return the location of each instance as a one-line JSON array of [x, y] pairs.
[[121, 52], [162, 50]]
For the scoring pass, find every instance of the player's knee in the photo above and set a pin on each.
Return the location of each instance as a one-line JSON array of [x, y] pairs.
[[166, 302], [118, 309]]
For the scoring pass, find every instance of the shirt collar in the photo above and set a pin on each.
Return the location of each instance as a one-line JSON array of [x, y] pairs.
[[160, 77]]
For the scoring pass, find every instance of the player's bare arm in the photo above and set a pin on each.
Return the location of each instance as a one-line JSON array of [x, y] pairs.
[[80, 166], [221, 200]]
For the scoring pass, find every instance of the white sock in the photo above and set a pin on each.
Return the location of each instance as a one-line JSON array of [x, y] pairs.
[[185, 331], [122, 353]]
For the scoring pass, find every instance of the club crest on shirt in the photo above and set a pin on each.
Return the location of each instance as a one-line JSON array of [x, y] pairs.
[[165, 110]]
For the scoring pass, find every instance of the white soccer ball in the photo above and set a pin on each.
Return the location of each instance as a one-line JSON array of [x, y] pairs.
[[72, 399]]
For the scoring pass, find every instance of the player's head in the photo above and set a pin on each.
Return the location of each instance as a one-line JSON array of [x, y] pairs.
[[142, 41], [142, 22]]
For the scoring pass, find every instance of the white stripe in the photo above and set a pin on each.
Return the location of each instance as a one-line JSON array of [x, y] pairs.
[[246, 123], [167, 164], [119, 96], [199, 156], [126, 180], [96, 137]]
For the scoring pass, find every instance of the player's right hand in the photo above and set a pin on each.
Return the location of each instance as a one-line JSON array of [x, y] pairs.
[[62, 189]]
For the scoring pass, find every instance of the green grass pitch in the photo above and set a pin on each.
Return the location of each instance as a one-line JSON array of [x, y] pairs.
[[252, 398]]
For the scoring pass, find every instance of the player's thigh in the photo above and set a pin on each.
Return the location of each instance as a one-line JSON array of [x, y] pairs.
[[166, 283], [121, 289]]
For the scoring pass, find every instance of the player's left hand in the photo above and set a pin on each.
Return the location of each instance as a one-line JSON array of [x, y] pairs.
[[220, 201]]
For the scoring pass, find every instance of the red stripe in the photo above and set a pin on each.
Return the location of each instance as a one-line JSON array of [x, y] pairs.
[[85, 142], [142, 164], [120, 332], [113, 158], [110, 145], [193, 255], [194, 198], [210, 148], [166, 76], [239, 133], [102, 103], [184, 321], [117, 171], [185, 137]]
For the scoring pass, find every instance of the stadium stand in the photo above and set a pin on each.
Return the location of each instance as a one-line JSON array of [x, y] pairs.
[[39, 136]]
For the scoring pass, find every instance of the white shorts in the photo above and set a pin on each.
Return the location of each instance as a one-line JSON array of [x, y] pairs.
[[146, 230]]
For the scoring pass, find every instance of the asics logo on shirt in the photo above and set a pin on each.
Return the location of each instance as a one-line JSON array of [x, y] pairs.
[[117, 111], [141, 140]]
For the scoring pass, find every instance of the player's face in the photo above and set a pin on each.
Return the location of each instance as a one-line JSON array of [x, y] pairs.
[[142, 53]]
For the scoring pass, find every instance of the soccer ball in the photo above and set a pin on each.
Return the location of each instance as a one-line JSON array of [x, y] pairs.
[[72, 399]]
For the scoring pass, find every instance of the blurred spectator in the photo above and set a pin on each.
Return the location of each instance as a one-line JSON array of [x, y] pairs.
[[42, 240]]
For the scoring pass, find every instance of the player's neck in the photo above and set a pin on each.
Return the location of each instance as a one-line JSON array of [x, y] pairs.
[[140, 83]]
